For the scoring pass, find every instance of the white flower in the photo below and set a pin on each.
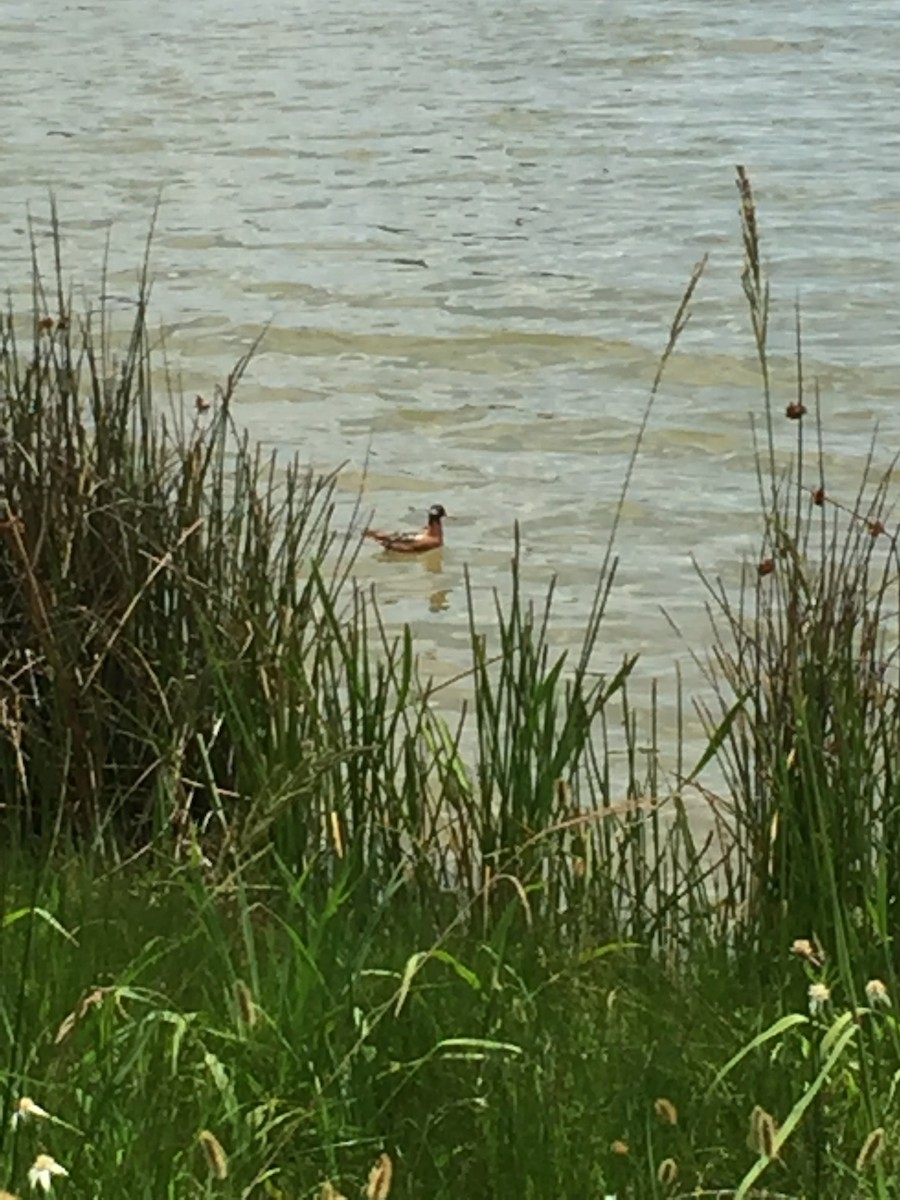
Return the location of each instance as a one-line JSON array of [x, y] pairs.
[[877, 993], [43, 1170], [819, 995], [25, 1109]]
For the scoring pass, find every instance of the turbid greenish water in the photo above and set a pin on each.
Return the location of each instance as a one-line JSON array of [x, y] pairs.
[[466, 229]]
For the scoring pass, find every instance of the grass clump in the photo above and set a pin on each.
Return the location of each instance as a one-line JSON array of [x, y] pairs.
[[268, 931]]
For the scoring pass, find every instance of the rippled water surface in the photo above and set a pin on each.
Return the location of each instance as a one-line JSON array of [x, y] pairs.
[[466, 227]]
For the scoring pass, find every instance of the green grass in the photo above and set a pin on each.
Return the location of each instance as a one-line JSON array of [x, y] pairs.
[[255, 901]]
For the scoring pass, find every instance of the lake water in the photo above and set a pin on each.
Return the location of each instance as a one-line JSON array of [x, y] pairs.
[[466, 228]]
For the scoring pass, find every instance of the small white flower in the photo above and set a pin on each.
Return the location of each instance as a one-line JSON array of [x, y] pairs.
[[26, 1109], [43, 1171], [819, 995], [877, 993]]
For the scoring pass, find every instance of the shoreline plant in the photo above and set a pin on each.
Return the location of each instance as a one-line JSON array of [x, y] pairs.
[[263, 924]]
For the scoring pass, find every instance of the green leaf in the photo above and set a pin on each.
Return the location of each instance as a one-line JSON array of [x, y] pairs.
[[462, 971], [794, 1116], [413, 965], [719, 735], [592, 953], [475, 1048], [774, 1031], [11, 918]]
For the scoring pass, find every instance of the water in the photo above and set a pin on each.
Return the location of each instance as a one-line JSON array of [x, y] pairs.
[[466, 229]]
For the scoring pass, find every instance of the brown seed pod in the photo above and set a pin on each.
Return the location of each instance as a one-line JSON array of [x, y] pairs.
[[795, 411], [766, 567], [818, 496]]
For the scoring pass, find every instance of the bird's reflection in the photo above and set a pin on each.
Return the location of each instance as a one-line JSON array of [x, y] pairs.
[[432, 562], [439, 601]]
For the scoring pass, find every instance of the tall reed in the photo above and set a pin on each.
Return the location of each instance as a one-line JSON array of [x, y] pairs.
[[809, 645], [185, 660], [341, 935]]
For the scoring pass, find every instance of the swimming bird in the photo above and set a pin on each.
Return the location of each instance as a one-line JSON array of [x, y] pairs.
[[429, 538]]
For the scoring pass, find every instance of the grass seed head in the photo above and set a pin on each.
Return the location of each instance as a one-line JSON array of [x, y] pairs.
[[619, 1147], [668, 1172], [329, 1192], [216, 1158], [666, 1111], [763, 1130], [93, 999], [871, 1150], [337, 835], [379, 1185], [246, 1004]]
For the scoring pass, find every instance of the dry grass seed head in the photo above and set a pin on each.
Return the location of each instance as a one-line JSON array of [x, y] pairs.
[[216, 1158], [246, 1004], [91, 1000], [763, 1130], [666, 1111], [380, 1177], [871, 1151], [668, 1172], [337, 835]]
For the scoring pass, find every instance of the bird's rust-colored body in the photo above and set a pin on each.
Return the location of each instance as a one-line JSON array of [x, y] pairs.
[[429, 538]]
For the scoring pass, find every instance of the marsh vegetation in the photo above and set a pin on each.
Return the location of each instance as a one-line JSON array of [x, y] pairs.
[[264, 922]]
